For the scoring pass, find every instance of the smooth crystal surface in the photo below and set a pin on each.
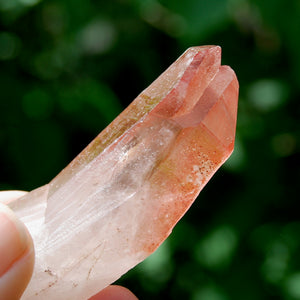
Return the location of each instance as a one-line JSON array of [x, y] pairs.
[[120, 198]]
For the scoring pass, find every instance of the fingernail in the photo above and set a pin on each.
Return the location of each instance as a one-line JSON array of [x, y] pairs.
[[13, 239]]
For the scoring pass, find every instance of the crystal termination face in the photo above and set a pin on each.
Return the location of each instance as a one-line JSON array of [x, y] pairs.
[[120, 198]]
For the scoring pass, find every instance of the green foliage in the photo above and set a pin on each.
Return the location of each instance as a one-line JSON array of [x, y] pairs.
[[69, 67]]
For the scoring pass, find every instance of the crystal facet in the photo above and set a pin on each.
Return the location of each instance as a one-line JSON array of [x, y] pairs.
[[121, 197]]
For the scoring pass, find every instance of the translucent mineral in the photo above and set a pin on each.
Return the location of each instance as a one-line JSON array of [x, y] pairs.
[[115, 203]]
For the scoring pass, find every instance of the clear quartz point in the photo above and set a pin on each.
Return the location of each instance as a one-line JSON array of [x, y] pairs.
[[115, 203]]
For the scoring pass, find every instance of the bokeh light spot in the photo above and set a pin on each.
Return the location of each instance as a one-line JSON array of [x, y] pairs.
[[9, 45], [209, 293], [47, 65], [55, 18], [158, 265], [276, 262], [284, 144], [292, 285], [162, 18], [267, 94], [29, 2], [97, 37], [6, 5], [216, 249]]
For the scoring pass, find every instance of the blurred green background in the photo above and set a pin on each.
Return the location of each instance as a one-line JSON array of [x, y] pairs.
[[68, 67]]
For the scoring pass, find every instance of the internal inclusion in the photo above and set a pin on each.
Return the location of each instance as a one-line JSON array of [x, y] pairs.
[[110, 179]]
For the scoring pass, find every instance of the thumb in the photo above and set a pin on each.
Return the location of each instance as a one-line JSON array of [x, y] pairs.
[[16, 255]]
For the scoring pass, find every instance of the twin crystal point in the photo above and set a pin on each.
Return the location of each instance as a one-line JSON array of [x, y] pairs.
[[120, 198]]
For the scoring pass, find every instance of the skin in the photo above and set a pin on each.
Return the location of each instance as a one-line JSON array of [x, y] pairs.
[[17, 256]]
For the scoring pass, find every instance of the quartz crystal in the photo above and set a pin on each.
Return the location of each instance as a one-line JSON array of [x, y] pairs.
[[120, 198]]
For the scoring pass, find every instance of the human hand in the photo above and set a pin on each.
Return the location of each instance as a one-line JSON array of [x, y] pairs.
[[17, 256]]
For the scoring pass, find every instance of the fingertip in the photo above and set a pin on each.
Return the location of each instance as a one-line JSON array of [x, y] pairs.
[[114, 292], [16, 255], [14, 282]]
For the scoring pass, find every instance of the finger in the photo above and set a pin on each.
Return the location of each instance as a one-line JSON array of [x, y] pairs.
[[16, 255], [9, 196], [114, 292]]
